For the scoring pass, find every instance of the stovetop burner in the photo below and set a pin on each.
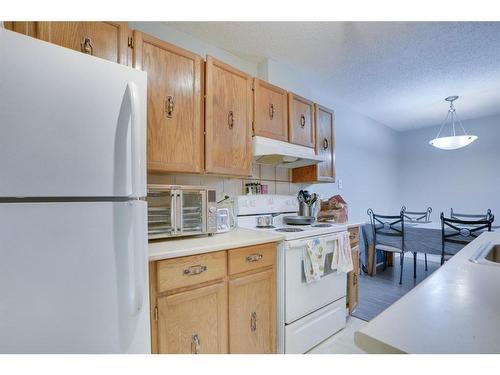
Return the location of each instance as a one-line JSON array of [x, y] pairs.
[[266, 226], [322, 225], [289, 230]]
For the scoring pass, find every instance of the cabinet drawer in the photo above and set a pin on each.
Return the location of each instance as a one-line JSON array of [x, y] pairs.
[[186, 271], [354, 235], [251, 258]]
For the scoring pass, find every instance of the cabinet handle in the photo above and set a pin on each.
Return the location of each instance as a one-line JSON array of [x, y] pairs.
[[195, 344], [194, 270], [271, 111], [302, 120], [325, 144], [354, 279], [230, 119], [169, 106], [86, 45], [253, 322], [254, 257]]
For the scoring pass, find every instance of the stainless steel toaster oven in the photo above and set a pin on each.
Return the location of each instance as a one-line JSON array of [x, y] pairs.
[[175, 210]]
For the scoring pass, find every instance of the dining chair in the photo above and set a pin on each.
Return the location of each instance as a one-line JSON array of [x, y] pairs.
[[418, 217], [389, 227], [456, 215], [461, 231]]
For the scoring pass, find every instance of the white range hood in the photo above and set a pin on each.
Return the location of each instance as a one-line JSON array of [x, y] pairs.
[[283, 154]]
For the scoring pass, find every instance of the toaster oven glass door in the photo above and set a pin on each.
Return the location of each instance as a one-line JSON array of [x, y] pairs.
[[191, 212], [161, 213]]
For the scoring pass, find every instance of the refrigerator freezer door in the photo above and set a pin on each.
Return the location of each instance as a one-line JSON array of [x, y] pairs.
[[73, 278], [72, 125]]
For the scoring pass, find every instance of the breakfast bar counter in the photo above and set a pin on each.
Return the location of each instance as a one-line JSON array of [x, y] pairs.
[[455, 310]]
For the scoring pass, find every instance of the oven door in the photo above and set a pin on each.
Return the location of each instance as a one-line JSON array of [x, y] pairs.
[[161, 213], [191, 207], [302, 298]]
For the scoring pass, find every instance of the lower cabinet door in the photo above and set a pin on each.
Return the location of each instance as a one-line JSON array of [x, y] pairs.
[[194, 322], [252, 313]]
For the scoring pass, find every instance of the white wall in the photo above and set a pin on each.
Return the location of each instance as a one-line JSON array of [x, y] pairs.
[[467, 179]]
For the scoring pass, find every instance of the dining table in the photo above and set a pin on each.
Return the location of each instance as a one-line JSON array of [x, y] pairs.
[[420, 237]]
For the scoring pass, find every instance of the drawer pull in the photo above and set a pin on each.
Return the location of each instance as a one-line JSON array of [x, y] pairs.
[[195, 344], [194, 270], [253, 322], [86, 46], [254, 257], [302, 121], [271, 111], [230, 119], [169, 106]]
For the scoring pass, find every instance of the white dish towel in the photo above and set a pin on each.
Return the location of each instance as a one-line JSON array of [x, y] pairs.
[[314, 259], [342, 256]]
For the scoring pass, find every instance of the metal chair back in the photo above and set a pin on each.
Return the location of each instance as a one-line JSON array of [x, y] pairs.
[[459, 216], [387, 226], [417, 216], [462, 231]]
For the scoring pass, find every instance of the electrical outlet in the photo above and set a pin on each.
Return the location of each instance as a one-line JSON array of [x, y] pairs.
[[340, 183]]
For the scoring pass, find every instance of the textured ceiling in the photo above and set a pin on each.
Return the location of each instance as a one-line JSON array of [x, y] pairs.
[[397, 73]]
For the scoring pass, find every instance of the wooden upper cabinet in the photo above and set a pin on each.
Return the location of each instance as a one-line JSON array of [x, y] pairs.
[[108, 40], [194, 322], [325, 142], [252, 313], [175, 110], [301, 121], [325, 146], [270, 111], [228, 120]]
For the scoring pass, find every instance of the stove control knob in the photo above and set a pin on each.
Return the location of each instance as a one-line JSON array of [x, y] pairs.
[[212, 210]]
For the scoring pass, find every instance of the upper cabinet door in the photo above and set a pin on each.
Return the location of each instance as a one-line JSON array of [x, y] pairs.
[[271, 115], [108, 40], [301, 120], [325, 142], [175, 117], [228, 121]]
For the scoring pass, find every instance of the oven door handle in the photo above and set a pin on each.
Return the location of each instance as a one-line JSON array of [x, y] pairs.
[[301, 243]]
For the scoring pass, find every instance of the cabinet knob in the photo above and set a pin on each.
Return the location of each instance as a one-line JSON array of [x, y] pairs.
[[271, 111], [86, 46], [194, 270], [325, 144], [302, 120], [169, 106], [253, 322], [230, 119], [195, 344]]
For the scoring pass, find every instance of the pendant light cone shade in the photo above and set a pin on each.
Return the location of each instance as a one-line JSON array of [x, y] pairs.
[[453, 141]]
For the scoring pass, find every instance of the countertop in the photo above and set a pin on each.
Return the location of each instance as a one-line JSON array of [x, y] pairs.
[[455, 310], [239, 237]]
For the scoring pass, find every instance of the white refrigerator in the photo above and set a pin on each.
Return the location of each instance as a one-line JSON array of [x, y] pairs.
[[73, 221]]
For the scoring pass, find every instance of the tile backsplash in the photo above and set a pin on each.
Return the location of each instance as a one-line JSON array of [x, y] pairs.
[[277, 180]]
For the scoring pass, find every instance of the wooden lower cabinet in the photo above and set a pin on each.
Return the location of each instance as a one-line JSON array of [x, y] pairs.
[[353, 276], [200, 305], [252, 313], [194, 321]]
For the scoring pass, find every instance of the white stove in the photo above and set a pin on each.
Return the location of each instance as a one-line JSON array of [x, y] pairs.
[[308, 313], [266, 213]]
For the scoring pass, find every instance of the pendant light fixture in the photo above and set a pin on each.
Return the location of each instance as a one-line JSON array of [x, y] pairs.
[[454, 140]]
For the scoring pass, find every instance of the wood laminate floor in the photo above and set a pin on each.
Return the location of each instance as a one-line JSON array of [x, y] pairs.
[[379, 292]]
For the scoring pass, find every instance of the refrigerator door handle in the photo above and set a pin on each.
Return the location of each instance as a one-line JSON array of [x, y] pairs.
[[136, 153], [139, 251]]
